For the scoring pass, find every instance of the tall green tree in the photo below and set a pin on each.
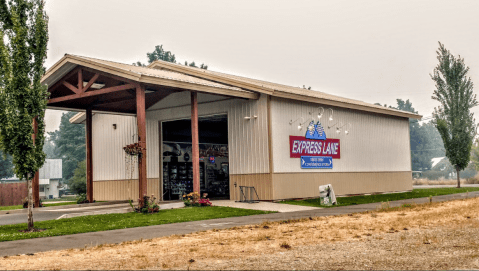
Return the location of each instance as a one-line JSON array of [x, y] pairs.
[[69, 141], [77, 183], [23, 50], [49, 148], [160, 54], [6, 166], [453, 117]]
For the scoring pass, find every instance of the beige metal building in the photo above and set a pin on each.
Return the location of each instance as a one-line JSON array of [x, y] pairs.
[[247, 137]]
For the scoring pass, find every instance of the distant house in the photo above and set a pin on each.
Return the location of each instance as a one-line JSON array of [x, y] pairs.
[[50, 177], [438, 163]]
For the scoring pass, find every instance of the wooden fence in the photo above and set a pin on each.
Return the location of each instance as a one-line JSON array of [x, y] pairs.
[[12, 193]]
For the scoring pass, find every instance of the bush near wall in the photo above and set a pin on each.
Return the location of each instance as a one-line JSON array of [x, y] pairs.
[[13, 193]]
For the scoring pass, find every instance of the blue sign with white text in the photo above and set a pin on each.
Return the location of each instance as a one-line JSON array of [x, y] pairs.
[[316, 162]]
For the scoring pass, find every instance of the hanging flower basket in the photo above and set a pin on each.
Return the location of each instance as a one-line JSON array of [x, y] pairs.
[[133, 149]]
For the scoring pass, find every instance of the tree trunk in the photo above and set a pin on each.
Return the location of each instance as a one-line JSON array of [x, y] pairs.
[[458, 178], [30, 203]]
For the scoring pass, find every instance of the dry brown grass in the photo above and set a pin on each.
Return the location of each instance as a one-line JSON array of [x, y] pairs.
[[431, 236], [442, 182]]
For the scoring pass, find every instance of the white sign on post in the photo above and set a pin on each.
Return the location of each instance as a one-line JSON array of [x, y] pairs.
[[326, 195]]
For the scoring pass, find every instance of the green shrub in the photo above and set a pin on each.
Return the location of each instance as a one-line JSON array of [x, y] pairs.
[[77, 183], [82, 198]]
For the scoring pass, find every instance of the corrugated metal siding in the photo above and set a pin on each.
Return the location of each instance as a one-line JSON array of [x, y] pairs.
[[52, 169], [261, 182], [152, 149], [108, 155], [122, 189], [375, 142], [248, 139], [303, 185]]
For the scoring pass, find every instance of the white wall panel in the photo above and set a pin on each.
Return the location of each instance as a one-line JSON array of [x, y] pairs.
[[248, 139], [152, 148], [375, 142], [108, 155]]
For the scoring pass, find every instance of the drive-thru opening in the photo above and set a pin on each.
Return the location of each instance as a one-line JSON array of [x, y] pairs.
[[177, 157]]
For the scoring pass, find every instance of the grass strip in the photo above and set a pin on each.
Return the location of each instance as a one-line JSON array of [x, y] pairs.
[[45, 204], [94, 223], [355, 200]]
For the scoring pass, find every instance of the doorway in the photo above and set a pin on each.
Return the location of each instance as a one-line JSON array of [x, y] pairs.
[[213, 151]]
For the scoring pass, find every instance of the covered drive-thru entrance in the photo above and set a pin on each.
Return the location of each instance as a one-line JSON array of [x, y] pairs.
[[91, 85]]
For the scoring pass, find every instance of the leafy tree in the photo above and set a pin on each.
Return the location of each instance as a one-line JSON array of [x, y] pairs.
[[6, 166], [69, 141], [23, 48], [453, 118], [308, 88], [160, 54], [138, 63], [49, 148], [77, 183]]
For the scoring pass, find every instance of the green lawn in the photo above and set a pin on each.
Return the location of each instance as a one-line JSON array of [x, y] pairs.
[[120, 221], [45, 204], [416, 193]]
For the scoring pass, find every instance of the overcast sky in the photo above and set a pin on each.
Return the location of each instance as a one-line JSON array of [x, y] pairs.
[[374, 51]]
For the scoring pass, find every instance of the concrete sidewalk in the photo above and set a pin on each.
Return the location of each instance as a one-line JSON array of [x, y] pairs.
[[117, 236], [264, 206]]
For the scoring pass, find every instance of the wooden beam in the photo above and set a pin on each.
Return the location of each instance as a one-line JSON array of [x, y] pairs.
[[89, 155], [141, 122], [60, 82], [80, 80], [91, 93], [71, 87], [36, 177], [111, 101], [91, 82], [195, 150], [118, 78]]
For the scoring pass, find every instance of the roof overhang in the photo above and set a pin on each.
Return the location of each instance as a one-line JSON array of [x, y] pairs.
[[174, 77], [282, 91], [66, 67]]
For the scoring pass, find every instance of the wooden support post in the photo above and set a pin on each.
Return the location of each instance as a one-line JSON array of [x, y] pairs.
[[80, 80], [89, 155], [195, 142], [141, 122], [36, 177]]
